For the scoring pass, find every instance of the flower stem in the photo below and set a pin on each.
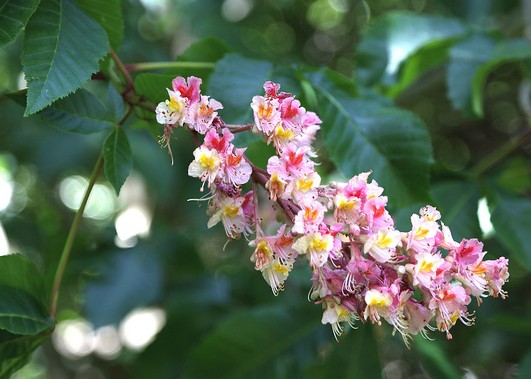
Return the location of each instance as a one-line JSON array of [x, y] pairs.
[[123, 70], [148, 66], [71, 237]]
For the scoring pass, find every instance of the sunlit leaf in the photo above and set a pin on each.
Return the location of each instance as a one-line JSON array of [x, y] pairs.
[[420, 65], [363, 135], [393, 38], [512, 223], [246, 340], [129, 279], [14, 14], [117, 157], [62, 48], [108, 13]]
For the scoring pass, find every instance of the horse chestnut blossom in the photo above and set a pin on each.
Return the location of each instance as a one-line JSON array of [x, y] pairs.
[[363, 268]]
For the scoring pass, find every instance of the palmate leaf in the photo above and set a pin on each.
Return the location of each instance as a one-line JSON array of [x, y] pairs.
[[108, 13], [62, 48], [362, 135], [14, 14], [117, 157]]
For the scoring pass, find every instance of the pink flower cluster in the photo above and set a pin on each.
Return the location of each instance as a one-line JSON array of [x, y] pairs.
[[363, 268]]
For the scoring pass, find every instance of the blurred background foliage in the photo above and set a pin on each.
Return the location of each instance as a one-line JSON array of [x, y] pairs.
[[150, 293]]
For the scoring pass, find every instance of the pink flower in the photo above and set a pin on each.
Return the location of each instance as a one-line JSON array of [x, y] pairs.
[[229, 210], [450, 304], [496, 274], [421, 238], [219, 143], [317, 246], [202, 113], [266, 114], [426, 268], [172, 111], [236, 170], [382, 245], [188, 88], [309, 218], [206, 165]]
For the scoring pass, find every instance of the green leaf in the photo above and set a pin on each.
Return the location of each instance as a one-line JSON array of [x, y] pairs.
[[505, 51], [435, 360], [129, 279], [114, 104], [20, 313], [205, 50], [153, 86], [15, 351], [234, 82], [247, 340], [512, 224], [62, 48], [117, 157], [393, 38], [420, 65], [362, 135], [465, 58], [458, 203], [81, 112], [14, 14], [108, 13], [17, 271]]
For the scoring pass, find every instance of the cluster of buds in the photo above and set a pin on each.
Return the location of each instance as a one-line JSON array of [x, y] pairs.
[[363, 268]]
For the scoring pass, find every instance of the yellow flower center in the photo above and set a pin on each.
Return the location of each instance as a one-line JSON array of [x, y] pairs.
[[384, 240], [174, 105], [319, 243], [421, 233], [375, 298], [282, 133], [304, 184], [280, 269], [231, 211], [207, 161]]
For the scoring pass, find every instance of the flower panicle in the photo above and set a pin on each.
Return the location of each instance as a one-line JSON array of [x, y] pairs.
[[365, 269]]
